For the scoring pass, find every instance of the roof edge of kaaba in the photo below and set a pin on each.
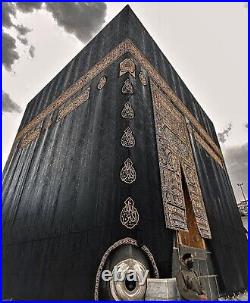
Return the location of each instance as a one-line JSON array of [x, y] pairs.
[[123, 28]]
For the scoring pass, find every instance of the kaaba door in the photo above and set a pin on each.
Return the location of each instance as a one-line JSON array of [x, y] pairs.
[[192, 238], [193, 243]]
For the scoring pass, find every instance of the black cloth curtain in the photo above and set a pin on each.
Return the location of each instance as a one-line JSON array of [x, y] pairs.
[[229, 242]]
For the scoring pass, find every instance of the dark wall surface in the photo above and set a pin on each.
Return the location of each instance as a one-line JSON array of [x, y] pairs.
[[63, 196], [63, 200], [229, 243]]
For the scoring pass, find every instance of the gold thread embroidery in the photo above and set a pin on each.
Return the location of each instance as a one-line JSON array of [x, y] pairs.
[[47, 123], [73, 104], [102, 82], [123, 47], [127, 111], [128, 139], [127, 87], [81, 82], [30, 136], [207, 148], [129, 216], [162, 84], [127, 66], [174, 149], [143, 78], [176, 217], [128, 173]]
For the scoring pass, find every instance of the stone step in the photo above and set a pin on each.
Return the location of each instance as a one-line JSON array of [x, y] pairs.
[[162, 289]]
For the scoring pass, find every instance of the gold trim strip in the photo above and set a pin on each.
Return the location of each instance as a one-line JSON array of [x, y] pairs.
[[125, 46], [171, 94], [207, 148], [31, 136], [84, 80], [73, 104]]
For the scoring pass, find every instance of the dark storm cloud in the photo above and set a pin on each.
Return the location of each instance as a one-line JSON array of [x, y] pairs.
[[9, 53], [32, 51], [223, 135], [28, 7], [24, 41], [22, 30], [82, 19], [8, 9], [9, 105], [237, 164]]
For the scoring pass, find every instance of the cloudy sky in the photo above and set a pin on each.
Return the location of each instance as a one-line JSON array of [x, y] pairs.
[[205, 42]]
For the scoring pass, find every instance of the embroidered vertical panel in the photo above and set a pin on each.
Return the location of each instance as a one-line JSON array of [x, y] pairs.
[[175, 153]]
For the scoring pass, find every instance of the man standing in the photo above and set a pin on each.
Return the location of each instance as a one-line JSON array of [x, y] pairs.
[[188, 282]]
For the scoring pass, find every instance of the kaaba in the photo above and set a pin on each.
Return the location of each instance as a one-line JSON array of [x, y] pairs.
[[115, 163]]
